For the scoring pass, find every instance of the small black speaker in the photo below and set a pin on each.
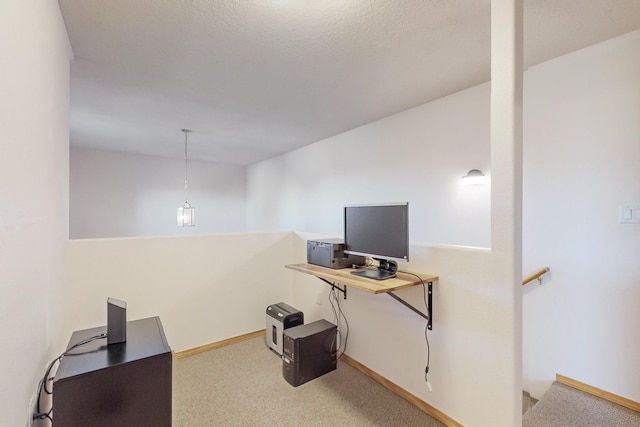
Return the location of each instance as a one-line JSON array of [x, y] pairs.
[[116, 321]]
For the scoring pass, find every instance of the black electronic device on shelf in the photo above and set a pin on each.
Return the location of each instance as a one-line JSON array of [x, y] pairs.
[[380, 232], [330, 253]]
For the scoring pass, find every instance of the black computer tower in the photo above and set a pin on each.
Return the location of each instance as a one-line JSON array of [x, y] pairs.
[[308, 351]]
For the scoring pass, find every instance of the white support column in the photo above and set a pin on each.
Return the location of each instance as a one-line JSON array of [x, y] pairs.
[[506, 181]]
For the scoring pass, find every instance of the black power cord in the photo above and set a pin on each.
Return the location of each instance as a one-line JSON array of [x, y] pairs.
[[426, 328], [42, 385], [334, 300]]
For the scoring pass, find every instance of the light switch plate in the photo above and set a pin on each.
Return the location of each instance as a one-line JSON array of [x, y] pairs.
[[629, 214]]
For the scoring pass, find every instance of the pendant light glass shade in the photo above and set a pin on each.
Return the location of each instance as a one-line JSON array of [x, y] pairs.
[[186, 212], [186, 215]]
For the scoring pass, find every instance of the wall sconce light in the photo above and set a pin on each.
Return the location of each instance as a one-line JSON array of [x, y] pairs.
[[474, 176], [186, 212]]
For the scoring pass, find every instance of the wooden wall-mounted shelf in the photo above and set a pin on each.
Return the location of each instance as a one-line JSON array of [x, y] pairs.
[[344, 277]]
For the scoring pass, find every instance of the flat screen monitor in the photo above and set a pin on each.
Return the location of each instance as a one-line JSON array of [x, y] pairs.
[[380, 232]]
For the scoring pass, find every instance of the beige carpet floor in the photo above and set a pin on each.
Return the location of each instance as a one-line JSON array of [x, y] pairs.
[[242, 385], [565, 406]]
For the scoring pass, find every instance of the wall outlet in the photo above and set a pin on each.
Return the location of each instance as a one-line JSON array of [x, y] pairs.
[[319, 298]]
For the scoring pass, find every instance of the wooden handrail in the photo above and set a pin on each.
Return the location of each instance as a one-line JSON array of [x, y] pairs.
[[536, 275]]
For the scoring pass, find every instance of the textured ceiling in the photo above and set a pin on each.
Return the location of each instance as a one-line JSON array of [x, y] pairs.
[[256, 78]]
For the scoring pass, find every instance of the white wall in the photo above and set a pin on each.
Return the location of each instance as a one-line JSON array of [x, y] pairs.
[[204, 288], [582, 160], [418, 156], [34, 88], [123, 195]]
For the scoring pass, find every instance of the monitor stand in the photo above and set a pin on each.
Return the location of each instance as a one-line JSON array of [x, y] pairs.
[[386, 270]]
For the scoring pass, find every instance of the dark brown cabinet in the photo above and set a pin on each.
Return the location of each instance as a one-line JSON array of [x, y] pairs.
[[125, 384]]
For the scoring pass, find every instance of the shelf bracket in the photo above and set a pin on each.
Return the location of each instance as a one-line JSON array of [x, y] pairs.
[[429, 314], [334, 286]]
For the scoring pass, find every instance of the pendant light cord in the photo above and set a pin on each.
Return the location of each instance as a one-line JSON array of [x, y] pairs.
[[186, 132]]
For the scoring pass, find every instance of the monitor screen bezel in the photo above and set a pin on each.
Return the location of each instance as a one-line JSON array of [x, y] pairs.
[[378, 256]]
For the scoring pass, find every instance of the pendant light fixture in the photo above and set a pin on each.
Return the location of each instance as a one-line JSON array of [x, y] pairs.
[[186, 212]]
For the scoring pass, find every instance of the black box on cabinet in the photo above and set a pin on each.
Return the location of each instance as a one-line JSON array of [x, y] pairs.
[[116, 321], [309, 351]]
